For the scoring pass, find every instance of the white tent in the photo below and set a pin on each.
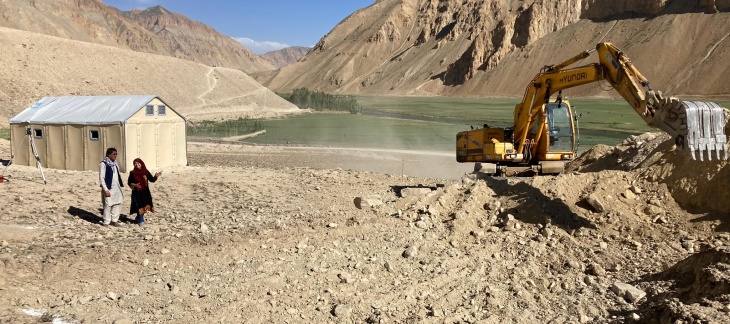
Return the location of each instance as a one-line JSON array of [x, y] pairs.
[[73, 132]]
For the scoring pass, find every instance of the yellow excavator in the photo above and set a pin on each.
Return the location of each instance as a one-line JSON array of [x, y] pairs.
[[543, 137]]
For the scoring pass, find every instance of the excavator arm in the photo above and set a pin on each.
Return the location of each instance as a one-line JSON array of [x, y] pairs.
[[698, 126], [695, 125]]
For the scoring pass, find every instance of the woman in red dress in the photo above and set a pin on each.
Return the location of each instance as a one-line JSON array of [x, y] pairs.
[[139, 180]]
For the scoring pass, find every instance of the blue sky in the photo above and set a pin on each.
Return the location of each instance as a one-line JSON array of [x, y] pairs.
[[260, 25]]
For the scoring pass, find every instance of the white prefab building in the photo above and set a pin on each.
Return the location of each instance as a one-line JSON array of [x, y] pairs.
[[73, 132]]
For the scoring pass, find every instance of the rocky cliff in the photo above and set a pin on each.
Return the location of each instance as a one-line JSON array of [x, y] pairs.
[[474, 47], [155, 30]]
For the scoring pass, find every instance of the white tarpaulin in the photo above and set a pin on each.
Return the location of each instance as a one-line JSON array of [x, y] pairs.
[[82, 110]]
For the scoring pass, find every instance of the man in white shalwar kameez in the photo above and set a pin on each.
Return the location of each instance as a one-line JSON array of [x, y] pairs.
[[110, 181]]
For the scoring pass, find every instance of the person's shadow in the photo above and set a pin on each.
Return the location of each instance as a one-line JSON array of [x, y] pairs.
[[93, 218], [85, 215]]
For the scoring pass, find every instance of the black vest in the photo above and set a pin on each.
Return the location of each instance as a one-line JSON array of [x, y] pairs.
[[108, 177]]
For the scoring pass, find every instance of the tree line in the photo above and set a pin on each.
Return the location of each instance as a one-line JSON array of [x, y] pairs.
[[320, 101], [225, 128]]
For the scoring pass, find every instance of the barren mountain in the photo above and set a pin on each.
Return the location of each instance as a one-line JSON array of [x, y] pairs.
[[189, 39], [493, 48], [285, 56], [155, 30], [36, 65]]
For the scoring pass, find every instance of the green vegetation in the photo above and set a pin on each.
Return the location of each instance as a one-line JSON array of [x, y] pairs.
[[224, 129], [601, 121], [420, 123], [5, 133], [320, 101], [449, 109], [610, 115], [348, 130]]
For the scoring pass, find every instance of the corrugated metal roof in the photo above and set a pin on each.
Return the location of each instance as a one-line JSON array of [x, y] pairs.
[[84, 110]]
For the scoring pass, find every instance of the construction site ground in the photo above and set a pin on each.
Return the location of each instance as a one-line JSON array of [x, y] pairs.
[[250, 234]]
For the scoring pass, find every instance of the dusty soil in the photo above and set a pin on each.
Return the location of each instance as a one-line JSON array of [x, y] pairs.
[[274, 234]]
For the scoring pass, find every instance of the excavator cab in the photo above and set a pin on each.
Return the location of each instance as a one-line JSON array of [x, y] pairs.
[[560, 127], [558, 132], [552, 139]]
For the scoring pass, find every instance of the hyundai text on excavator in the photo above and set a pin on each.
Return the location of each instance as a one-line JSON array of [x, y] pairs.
[[543, 137]]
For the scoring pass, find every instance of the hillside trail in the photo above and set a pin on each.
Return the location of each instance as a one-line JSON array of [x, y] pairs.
[[244, 136], [608, 31], [691, 69], [212, 86], [242, 236], [212, 82]]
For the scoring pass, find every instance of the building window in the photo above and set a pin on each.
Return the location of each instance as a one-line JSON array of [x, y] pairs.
[[37, 132], [161, 110], [150, 110], [94, 135]]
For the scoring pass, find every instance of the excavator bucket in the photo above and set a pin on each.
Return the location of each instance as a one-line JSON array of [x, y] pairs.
[[706, 126], [699, 125]]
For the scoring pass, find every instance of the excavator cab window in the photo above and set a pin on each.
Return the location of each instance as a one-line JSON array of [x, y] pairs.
[[508, 132], [560, 130], [535, 127]]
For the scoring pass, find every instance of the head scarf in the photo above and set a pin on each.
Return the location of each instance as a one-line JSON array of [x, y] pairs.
[[140, 175]]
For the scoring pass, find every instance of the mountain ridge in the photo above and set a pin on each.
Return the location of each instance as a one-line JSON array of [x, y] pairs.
[[154, 30], [37, 65], [473, 48], [285, 56]]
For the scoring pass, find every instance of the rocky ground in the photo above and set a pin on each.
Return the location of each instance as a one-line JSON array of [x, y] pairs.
[[633, 233]]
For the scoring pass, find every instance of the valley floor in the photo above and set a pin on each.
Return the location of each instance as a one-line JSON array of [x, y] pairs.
[[300, 235]]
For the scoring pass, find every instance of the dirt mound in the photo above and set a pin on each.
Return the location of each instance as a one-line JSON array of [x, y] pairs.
[[699, 281], [698, 186]]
